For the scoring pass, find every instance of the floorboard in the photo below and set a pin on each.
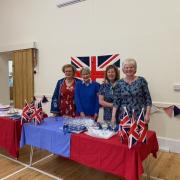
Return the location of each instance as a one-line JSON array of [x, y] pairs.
[[166, 166]]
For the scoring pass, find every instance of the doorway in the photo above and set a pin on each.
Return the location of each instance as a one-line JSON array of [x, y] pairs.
[[24, 62], [17, 76]]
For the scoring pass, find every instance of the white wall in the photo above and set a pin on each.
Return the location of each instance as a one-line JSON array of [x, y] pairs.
[[4, 86], [145, 30]]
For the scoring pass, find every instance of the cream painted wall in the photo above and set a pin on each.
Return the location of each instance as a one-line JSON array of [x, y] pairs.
[[145, 30], [4, 87]]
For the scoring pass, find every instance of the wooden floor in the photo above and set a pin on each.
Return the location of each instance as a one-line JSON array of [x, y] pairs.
[[166, 166]]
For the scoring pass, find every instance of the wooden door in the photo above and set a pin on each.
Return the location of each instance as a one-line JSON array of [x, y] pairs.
[[23, 74]]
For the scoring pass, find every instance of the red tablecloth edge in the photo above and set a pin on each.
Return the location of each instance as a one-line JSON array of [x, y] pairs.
[[153, 145]]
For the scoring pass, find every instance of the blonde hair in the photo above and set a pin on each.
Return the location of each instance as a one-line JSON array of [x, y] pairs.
[[129, 61]]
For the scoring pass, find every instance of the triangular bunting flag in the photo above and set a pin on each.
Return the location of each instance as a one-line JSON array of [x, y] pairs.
[[169, 111], [176, 111], [34, 98], [154, 109], [44, 99]]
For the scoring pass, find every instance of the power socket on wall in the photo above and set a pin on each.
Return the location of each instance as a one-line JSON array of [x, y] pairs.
[[177, 87]]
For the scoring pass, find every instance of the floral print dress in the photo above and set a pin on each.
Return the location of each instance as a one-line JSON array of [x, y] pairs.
[[67, 104], [134, 96]]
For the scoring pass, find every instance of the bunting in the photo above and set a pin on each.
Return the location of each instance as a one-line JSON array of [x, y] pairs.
[[176, 111], [154, 109], [44, 99], [171, 111]]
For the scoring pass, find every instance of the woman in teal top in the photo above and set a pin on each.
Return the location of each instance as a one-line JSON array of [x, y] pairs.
[[106, 92]]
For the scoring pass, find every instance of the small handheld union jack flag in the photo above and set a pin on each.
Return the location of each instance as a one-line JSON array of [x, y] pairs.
[[26, 113], [37, 115], [31, 112], [142, 126], [124, 125], [133, 135]]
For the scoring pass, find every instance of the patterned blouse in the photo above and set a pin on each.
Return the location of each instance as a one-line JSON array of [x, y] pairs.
[[107, 91], [132, 96], [67, 104]]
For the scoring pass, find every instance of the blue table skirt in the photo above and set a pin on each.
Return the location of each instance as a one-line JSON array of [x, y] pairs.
[[48, 135]]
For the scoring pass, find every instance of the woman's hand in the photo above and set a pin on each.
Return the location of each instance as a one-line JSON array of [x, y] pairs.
[[113, 120], [147, 115], [82, 114], [95, 117], [55, 114], [147, 118]]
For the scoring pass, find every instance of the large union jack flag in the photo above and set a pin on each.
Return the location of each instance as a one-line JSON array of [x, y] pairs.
[[96, 64]]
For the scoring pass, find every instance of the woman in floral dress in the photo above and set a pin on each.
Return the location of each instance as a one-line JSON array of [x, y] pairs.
[[131, 93], [62, 103]]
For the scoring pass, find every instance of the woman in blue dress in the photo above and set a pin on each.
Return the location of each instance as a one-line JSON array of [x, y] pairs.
[[131, 92], [106, 92], [86, 96]]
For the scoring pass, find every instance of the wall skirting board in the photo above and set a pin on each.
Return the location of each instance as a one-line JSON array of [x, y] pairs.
[[169, 145]]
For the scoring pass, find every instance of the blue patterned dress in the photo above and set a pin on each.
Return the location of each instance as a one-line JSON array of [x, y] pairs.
[[132, 96], [107, 91]]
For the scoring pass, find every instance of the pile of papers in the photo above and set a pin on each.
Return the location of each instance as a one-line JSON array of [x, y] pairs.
[[4, 107], [7, 111]]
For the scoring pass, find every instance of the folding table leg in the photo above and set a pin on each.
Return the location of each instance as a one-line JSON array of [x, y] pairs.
[[147, 167], [31, 156]]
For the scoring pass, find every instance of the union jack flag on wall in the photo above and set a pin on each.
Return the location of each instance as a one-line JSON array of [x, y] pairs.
[[96, 64]]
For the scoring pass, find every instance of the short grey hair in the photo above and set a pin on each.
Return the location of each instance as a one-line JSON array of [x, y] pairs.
[[85, 70], [129, 61]]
